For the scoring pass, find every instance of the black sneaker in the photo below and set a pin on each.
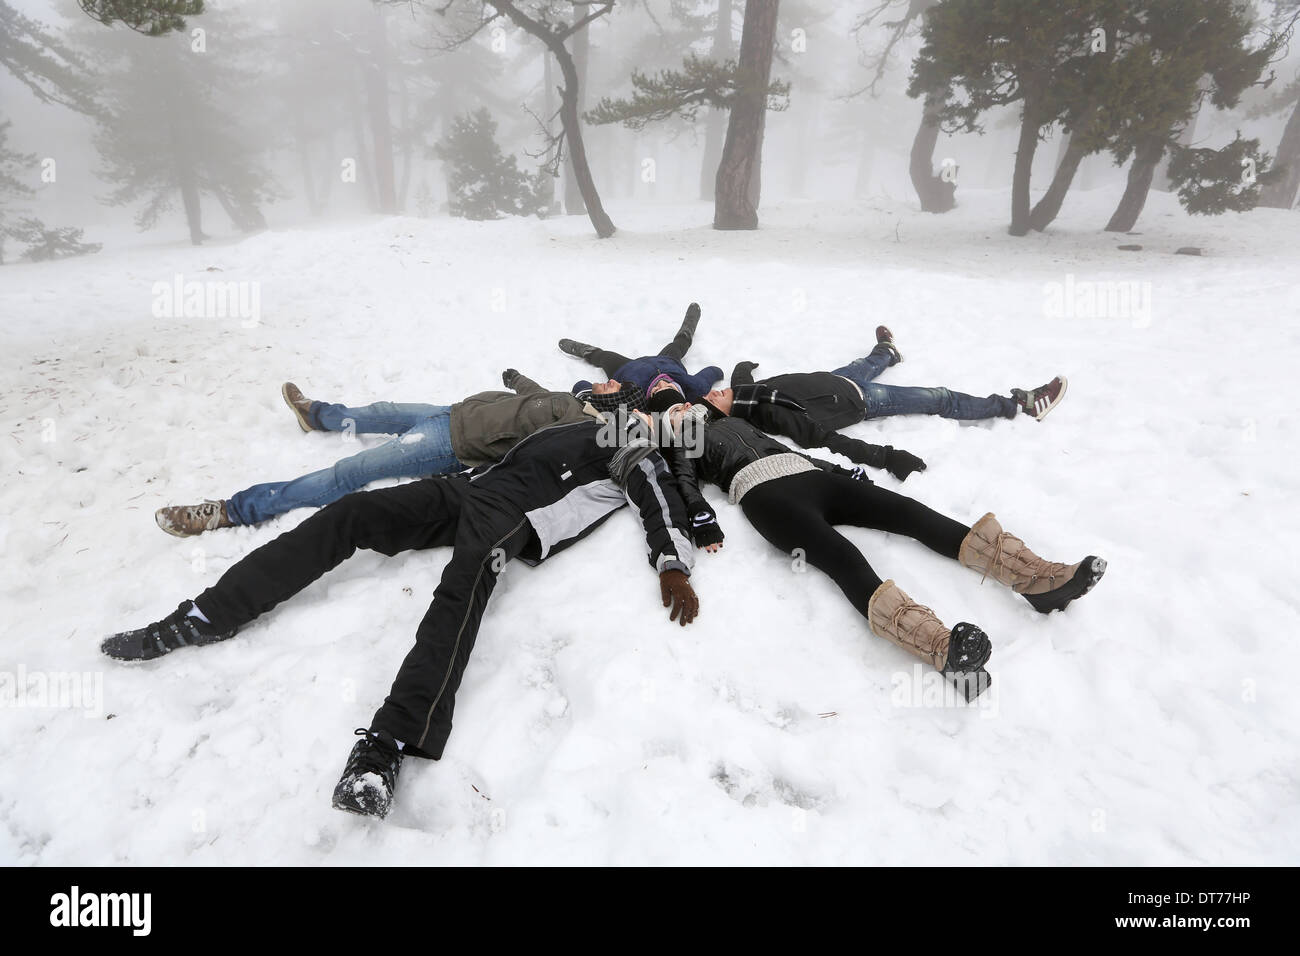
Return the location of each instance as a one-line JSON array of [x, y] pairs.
[[366, 786], [178, 629], [969, 649], [886, 338], [576, 349], [1041, 400]]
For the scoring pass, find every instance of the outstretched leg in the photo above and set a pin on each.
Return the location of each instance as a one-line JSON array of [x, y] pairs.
[[417, 515], [420, 514], [885, 400], [792, 513], [681, 343], [377, 418], [425, 449], [419, 706]]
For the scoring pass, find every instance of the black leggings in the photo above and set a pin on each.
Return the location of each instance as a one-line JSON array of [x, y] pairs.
[[610, 362], [798, 512]]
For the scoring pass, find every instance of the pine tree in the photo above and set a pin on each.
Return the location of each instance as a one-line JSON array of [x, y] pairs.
[[174, 128], [1214, 181], [485, 183], [991, 53], [13, 184], [150, 17]]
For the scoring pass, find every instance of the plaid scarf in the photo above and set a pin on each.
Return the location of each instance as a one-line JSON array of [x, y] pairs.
[[746, 398], [630, 395]]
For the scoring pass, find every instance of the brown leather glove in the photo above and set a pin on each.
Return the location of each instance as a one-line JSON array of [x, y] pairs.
[[676, 589]]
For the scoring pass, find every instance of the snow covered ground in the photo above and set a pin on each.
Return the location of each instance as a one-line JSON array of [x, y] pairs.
[[1153, 723]]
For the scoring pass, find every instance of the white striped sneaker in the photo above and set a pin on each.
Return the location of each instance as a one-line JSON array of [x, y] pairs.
[[1039, 401]]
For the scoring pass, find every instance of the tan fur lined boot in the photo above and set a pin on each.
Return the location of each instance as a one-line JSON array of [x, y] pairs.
[[915, 628], [1047, 585]]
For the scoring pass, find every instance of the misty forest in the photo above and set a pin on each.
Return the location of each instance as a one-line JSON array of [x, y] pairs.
[[304, 248]]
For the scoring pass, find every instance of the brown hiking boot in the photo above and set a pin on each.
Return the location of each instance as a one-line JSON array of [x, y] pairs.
[[187, 520], [886, 338], [1041, 400], [300, 404], [1047, 585]]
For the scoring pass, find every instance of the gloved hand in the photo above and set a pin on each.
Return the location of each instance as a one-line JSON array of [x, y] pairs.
[[509, 377], [743, 368], [676, 590], [706, 532], [900, 464]]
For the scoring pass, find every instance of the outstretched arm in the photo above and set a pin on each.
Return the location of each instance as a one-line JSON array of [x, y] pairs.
[[811, 434], [705, 530], [517, 381], [645, 479]]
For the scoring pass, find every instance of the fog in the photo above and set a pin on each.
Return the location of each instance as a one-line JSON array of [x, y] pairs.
[[294, 93]]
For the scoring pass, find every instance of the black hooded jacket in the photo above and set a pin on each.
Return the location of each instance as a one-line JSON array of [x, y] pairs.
[[828, 401]]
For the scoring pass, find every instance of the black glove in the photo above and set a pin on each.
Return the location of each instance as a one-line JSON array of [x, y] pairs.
[[705, 529], [900, 464], [675, 587], [744, 368], [509, 377]]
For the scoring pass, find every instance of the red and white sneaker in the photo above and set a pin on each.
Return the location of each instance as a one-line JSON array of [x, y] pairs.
[[1039, 401]]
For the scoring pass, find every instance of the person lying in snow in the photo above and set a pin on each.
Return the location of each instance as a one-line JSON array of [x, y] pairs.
[[549, 491], [794, 501], [808, 406], [433, 440], [643, 371]]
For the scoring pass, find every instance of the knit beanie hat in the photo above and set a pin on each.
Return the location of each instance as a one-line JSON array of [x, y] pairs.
[[663, 400], [662, 377]]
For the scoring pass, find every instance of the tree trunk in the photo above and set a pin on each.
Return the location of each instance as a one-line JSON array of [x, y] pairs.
[[408, 141], [550, 203], [1281, 193], [573, 204], [756, 179], [193, 208], [569, 119], [715, 125], [1025, 149], [1049, 207], [1145, 160], [381, 128], [936, 194], [733, 207], [866, 163]]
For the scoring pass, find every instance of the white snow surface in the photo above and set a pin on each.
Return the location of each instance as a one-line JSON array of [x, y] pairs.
[[1155, 722]]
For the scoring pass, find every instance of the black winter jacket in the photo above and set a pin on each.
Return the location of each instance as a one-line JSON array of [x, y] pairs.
[[567, 483], [829, 402], [729, 445]]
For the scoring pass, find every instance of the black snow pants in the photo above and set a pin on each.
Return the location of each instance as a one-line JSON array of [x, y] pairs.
[[484, 531], [799, 511]]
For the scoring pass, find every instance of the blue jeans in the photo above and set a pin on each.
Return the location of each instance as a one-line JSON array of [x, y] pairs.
[[423, 448], [885, 400]]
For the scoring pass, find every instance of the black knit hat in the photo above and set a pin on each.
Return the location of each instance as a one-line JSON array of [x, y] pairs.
[[663, 400]]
